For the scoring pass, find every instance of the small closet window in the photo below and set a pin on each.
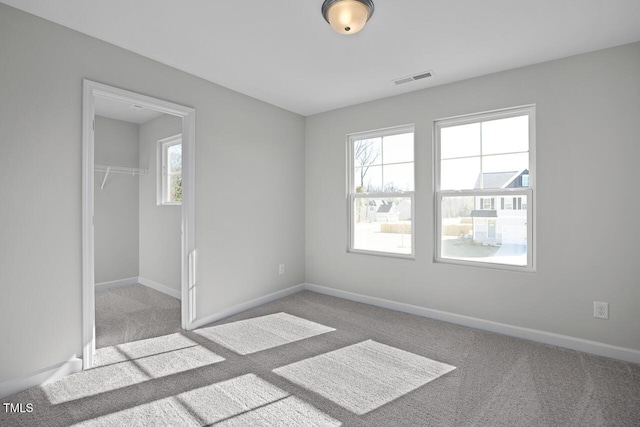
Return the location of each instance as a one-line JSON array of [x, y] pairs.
[[170, 171]]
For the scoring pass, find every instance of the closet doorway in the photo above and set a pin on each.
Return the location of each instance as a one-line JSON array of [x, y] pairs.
[[138, 217]]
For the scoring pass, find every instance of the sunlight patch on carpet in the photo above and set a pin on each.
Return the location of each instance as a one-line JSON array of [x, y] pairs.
[[364, 376], [124, 374], [261, 333], [142, 348], [242, 401]]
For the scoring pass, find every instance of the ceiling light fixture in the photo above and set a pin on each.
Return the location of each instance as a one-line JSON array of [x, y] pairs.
[[347, 16]]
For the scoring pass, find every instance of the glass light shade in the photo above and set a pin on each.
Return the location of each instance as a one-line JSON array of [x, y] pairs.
[[347, 16]]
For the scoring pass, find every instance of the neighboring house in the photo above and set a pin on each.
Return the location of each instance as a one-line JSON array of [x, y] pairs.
[[387, 212], [501, 220], [382, 211]]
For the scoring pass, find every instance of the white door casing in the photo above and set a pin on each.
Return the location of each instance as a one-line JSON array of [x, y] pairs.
[[91, 90]]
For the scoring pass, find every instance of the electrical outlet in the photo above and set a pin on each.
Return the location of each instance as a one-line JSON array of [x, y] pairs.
[[601, 310], [281, 269]]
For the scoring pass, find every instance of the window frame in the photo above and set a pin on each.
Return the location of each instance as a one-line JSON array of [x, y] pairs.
[[162, 180], [529, 192], [352, 195]]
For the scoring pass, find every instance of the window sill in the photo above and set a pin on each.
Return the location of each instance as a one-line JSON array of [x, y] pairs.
[[410, 257], [485, 265]]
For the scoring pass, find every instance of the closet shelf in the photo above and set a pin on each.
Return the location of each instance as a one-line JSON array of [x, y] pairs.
[[117, 169]]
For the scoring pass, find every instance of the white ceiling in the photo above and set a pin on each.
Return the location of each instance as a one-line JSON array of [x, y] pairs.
[[113, 109], [284, 53]]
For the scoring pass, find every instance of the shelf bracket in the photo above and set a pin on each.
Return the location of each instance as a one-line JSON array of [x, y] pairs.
[[106, 175]]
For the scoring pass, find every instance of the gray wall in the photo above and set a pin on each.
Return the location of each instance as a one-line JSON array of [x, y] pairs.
[[160, 226], [588, 148], [250, 156], [116, 205]]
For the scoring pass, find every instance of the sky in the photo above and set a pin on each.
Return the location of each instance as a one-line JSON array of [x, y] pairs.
[[466, 150]]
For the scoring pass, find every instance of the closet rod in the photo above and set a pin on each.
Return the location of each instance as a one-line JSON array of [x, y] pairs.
[[119, 169], [116, 169]]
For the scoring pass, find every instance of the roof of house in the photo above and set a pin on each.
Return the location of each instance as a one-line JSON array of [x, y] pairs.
[[498, 179], [386, 208]]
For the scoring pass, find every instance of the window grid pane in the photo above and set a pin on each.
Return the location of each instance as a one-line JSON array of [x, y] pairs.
[[505, 135], [460, 141], [383, 224], [367, 152], [472, 230]]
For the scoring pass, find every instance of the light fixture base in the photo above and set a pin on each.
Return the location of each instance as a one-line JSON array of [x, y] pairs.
[[342, 24]]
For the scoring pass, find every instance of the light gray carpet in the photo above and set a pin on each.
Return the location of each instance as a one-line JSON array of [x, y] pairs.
[[243, 401], [498, 380], [132, 371], [364, 376], [143, 348], [262, 333], [133, 313]]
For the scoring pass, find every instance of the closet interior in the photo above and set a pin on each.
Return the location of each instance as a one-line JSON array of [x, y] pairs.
[[137, 222]]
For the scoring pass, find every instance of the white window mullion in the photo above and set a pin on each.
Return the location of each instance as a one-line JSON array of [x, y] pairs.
[[481, 159]]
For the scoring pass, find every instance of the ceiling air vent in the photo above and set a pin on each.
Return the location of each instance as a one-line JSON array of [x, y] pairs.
[[408, 79]]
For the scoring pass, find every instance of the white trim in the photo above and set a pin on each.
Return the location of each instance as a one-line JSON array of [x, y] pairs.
[[159, 287], [502, 113], [382, 132], [103, 286], [579, 344], [239, 308], [88, 248], [189, 283], [408, 257], [188, 287], [487, 192], [43, 376]]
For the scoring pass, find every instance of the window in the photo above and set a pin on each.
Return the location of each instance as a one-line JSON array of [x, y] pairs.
[[512, 203], [381, 191], [487, 203], [484, 186], [170, 171]]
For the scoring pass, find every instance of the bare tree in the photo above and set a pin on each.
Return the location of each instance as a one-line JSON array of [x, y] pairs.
[[366, 155]]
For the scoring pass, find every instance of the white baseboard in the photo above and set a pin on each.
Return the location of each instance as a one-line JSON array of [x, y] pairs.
[[159, 287], [43, 376], [587, 346], [246, 306], [103, 286]]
